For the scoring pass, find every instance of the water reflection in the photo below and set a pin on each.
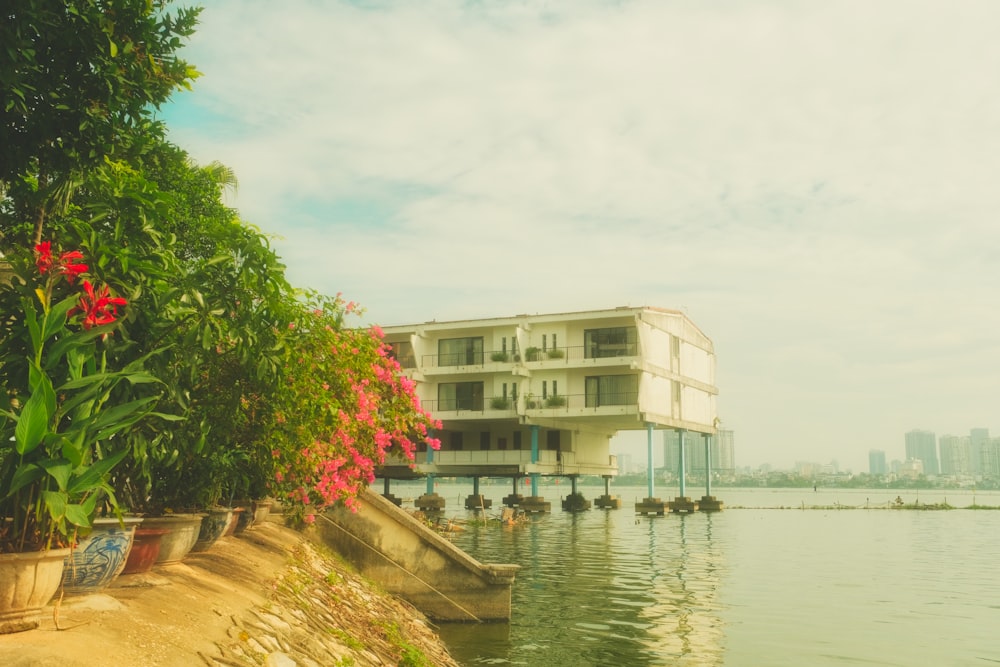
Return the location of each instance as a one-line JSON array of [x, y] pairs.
[[601, 588]]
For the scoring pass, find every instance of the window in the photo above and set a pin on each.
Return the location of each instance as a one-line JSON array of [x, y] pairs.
[[460, 351], [484, 440], [552, 440], [545, 389], [545, 342], [403, 353], [611, 342], [611, 390], [460, 396], [456, 441], [517, 440]]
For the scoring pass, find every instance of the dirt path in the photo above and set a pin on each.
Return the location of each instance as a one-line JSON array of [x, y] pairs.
[[267, 597]]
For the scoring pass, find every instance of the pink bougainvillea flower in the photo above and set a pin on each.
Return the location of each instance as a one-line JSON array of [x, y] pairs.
[[98, 306]]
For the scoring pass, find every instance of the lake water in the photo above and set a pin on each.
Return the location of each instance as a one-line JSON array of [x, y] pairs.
[[753, 585]]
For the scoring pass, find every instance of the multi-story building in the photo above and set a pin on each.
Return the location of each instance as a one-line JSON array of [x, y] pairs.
[[922, 445], [876, 462], [956, 454], [543, 394], [979, 439], [721, 449]]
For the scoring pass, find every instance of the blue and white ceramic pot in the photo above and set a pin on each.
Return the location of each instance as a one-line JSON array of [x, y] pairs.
[[99, 557]]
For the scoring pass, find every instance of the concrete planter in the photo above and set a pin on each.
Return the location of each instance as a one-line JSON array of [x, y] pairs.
[[213, 527], [27, 583], [145, 550], [182, 533]]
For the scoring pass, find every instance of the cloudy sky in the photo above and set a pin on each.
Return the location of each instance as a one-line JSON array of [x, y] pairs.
[[814, 183]]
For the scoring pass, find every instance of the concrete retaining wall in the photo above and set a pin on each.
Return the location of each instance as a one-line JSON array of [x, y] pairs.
[[412, 561]]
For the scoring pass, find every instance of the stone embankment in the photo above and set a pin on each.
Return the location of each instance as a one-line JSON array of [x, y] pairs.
[[269, 597]]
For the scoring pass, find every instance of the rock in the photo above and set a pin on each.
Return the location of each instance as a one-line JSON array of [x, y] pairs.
[[279, 659]]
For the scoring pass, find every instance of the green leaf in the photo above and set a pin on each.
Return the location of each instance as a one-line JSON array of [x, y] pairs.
[[78, 515], [93, 476], [24, 475], [55, 504], [32, 424], [59, 470], [113, 48]]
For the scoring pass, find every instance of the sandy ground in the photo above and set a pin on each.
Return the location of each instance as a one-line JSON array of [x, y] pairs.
[[268, 596]]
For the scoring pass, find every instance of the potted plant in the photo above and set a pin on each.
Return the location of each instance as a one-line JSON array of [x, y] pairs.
[[532, 353], [500, 403], [556, 353], [59, 419], [555, 401], [499, 356]]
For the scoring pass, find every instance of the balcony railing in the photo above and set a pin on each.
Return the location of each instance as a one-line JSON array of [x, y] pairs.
[[499, 406], [554, 355]]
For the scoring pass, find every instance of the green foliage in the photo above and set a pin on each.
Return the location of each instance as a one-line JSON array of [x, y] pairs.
[[65, 406], [80, 82]]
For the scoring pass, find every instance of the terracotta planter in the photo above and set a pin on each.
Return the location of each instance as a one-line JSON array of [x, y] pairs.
[[213, 527], [27, 583], [145, 550], [182, 533], [99, 557]]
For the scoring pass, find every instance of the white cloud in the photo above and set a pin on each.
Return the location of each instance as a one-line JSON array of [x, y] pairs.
[[812, 182]]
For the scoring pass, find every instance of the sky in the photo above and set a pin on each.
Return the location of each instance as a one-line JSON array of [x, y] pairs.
[[813, 183]]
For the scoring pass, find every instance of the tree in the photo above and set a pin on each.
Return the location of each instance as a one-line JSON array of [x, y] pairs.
[[79, 82]]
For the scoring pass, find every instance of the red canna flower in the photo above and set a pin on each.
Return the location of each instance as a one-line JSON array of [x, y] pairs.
[[98, 307], [69, 265], [43, 256]]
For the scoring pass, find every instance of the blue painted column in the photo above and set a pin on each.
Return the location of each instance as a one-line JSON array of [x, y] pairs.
[[680, 459], [430, 476], [534, 459], [650, 472], [708, 464]]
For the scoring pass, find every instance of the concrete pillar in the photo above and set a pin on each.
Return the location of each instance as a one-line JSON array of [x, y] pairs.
[[650, 471], [682, 504], [607, 501], [708, 502], [708, 464], [534, 459], [681, 471]]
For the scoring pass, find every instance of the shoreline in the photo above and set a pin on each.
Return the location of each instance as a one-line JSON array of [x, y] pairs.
[[268, 597]]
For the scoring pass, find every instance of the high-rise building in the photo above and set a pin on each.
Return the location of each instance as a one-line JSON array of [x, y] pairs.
[[990, 459], [980, 440], [956, 454], [876, 462], [922, 445], [722, 448]]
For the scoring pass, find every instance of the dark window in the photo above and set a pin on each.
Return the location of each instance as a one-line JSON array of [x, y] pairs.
[[612, 390], [460, 351], [456, 440], [517, 440], [611, 342], [552, 440], [403, 353], [484, 440], [501, 443], [545, 389], [460, 396]]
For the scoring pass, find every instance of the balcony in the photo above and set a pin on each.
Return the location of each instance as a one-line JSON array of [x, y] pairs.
[[568, 405], [532, 357]]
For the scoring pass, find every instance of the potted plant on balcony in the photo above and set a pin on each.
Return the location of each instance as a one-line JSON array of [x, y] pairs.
[[532, 353], [59, 416], [500, 403], [556, 353], [555, 401], [499, 357]]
